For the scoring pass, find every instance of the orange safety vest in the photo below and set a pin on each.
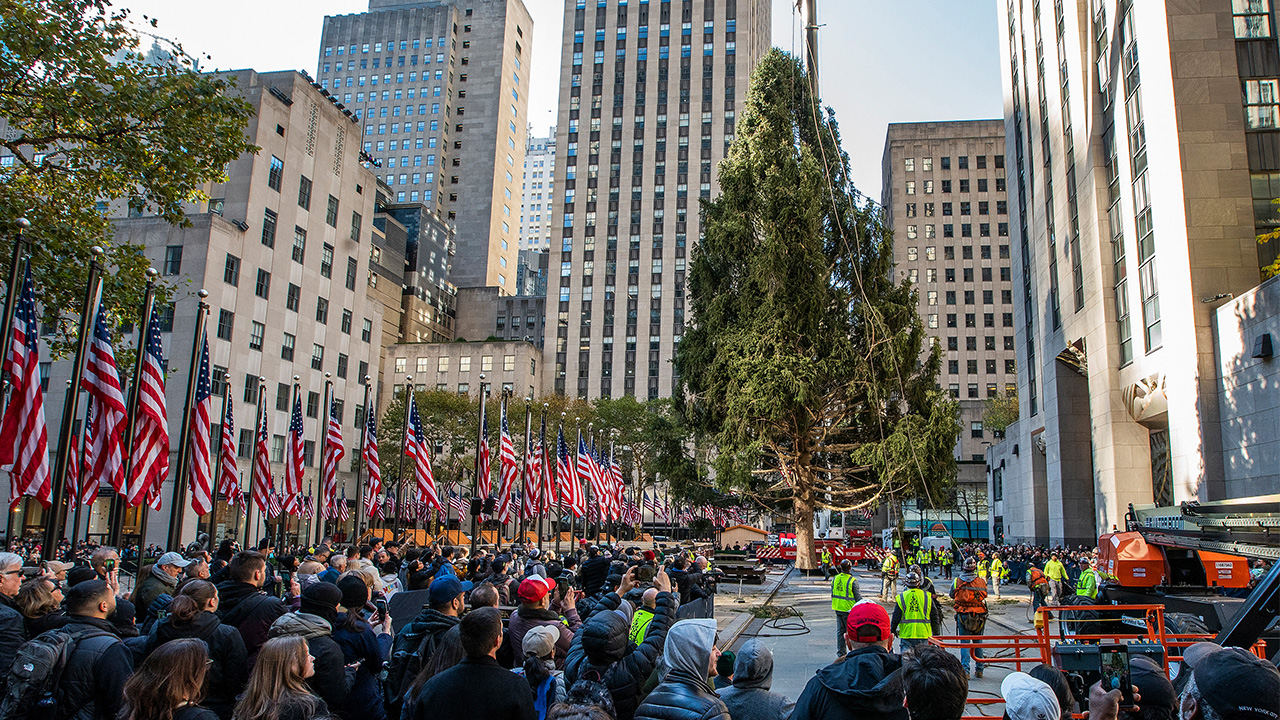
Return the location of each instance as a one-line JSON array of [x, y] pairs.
[[1037, 578], [970, 595]]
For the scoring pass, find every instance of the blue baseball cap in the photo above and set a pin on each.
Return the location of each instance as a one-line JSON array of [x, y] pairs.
[[445, 588]]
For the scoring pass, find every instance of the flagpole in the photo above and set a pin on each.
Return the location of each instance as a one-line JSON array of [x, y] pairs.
[[360, 468], [119, 503], [79, 479], [11, 299], [213, 494], [404, 433], [559, 490], [524, 469], [178, 510], [547, 491], [283, 525], [56, 527], [322, 520], [475, 482], [257, 426]]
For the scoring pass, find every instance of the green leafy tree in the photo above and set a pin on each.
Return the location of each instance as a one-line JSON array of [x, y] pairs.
[[1000, 411], [806, 365], [90, 119]]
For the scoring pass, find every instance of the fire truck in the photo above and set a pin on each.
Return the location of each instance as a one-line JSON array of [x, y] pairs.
[[783, 549]]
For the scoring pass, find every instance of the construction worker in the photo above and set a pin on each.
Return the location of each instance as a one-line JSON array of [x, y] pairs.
[[946, 563], [970, 594], [825, 560], [997, 574], [889, 577], [1057, 574], [1087, 586], [983, 566], [844, 594], [1038, 584], [916, 616]]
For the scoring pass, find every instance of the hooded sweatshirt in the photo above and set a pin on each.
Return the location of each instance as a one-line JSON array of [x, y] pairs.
[[865, 685], [685, 693], [330, 681], [749, 697]]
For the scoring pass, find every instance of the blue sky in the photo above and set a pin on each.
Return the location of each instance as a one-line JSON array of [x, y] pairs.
[[881, 61]]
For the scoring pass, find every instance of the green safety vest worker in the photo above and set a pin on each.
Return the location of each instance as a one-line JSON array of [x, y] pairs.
[[897, 543], [1054, 570], [1088, 584], [916, 606], [844, 592], [640, 624], [946, 559], [997, 568], [890, 565], [826, 556], [982, 568]]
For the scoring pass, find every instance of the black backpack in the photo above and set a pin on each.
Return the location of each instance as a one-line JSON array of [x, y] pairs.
[[36, 674], [410, 654]]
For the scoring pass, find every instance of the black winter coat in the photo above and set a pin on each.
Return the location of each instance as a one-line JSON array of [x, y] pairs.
[[679, 699], [13, 633], [362, 645], [478, 689], [865, 685], [229, 669], [603, 645], [423, 633], [249, 610], [594, 573], [92, 683], [330, 681]]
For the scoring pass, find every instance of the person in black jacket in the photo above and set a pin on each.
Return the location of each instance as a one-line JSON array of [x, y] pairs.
[[193, 615], [168, 685], [866, 684], [243, 605], [477, 688], [91, 686], [602, 648], [364, 647], [40, 602], [689, 658], [595, 571], [416, 641], [314, 621], [13, 626]]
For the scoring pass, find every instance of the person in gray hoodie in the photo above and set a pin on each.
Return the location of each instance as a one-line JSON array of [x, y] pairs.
[[314, 621], [688, 661], [749, 697]]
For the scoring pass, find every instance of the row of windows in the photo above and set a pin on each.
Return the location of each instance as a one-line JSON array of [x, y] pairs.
[[971, 320], [945, 185], [423, 364], [989, 365], [966, 208], [949, 251], [969, 296], [971, 343], [944, 163], [992, 391], [931, 275]]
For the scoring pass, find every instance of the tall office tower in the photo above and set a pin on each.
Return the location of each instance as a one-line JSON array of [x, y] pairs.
[[1133, 157], [537, 196], [283, 248], [945, 198], [649, 93], [441, 89]]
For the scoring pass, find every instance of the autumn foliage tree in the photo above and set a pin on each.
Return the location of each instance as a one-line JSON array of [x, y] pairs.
[[806, 365]]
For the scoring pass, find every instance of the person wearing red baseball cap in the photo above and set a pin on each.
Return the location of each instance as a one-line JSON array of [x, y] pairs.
[[535, 610], [863, 685]]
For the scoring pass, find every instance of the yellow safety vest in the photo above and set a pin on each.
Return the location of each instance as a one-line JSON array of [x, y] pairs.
[[915, 607], [640, 624], [844, 592], [1054, 570], [890, 564], [826, 557], [982, 568], [997, 568]]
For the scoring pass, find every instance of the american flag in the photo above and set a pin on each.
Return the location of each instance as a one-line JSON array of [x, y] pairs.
[[81, 485], [200, 464], [344, 513], [543, 471], [867, 512], [293, 459], [484, 484], [458, 503], [585, 475], [615, 479], [274, 507], [372, 466], [228, 472], [263, 492], [415, 448], [74, 476], [530, 500], [150, 463], [24, 440], [564, 475], [380, 509], [651, 505], [599, 490], [333, 452], [389, 506], [510, 472], [104, 457]]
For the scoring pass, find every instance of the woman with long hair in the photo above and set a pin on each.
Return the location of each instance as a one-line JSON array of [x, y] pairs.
[[40, 602], [448, 653], [364, 647], [167, 686], [277, 687], [192, 614]]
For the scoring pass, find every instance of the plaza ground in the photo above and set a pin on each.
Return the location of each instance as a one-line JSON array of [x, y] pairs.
[[804, 644]]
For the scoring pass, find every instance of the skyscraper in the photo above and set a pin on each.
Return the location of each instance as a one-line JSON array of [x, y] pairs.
[[649, 94], [537, 197], [945, 198], [441, 91], [1135, 132]]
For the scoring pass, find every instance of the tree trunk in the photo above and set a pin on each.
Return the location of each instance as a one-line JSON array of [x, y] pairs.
[[802, 513]]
